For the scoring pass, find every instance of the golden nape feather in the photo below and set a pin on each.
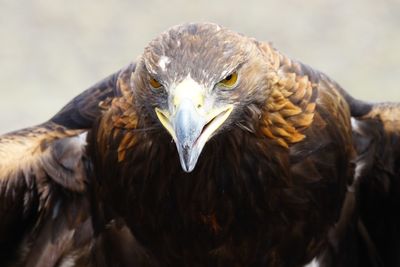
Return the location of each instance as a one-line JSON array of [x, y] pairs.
[[291, 104], [213, 149]]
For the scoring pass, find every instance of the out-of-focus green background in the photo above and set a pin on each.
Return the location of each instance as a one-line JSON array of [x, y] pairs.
[[51, 50]]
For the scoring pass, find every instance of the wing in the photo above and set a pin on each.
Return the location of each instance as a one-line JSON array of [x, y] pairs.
[[377, 142], [83, 110], [328, 123], [37, 166], [44, 201]]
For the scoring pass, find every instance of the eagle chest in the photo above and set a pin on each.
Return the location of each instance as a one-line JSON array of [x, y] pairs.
[[239, 198]]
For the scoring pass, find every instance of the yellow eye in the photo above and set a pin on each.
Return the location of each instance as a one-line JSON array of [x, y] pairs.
[[154, 83], [229, 80]]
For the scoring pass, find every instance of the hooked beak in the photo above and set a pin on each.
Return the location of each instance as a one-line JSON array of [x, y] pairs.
[[190, 129]]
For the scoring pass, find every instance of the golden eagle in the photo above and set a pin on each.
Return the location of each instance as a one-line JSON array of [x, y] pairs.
[[213, 149]]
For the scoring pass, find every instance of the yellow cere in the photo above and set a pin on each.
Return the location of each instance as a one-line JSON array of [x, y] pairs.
[[230, 80], [154, 83]]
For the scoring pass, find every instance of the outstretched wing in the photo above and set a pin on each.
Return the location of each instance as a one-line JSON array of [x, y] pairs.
[[44, 201], [377, 142], [82, 111], [37, 166]]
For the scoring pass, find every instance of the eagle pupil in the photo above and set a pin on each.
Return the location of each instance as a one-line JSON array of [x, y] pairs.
[[228, 77]]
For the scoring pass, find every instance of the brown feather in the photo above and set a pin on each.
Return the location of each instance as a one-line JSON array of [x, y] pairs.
[[269, 190], [377, 141], [274, 186], [44, 200]]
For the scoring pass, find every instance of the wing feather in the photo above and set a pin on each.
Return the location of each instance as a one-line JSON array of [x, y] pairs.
[[83, 110], [35, 163], [44, 199], [377, 142]]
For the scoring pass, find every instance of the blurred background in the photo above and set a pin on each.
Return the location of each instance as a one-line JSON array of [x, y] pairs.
[[51, 50]]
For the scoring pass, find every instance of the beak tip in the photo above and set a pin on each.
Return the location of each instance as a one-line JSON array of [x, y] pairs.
[[187, 169], [187, 162]]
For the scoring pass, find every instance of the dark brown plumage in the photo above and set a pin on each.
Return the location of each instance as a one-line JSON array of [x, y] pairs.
[[268, 186], [43, 202], [377, 140], [45, 207], [257, 174]]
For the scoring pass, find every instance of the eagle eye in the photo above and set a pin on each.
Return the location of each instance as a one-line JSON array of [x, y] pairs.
[[154, 83], [229, 81]]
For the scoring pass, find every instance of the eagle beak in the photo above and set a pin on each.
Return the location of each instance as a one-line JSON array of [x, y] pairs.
[[191, 127], [191, 131]]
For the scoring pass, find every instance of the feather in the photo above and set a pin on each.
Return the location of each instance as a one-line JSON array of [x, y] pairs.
[[44, 201], [376, 136], [268, 196], [285, 179]]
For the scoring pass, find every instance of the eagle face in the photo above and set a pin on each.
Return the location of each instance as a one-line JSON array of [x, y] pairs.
[[196, 80]]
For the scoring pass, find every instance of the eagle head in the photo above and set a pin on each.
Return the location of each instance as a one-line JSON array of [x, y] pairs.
[[196, 80]]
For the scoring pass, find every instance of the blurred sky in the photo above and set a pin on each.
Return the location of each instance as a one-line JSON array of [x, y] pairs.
[[51, 50]]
